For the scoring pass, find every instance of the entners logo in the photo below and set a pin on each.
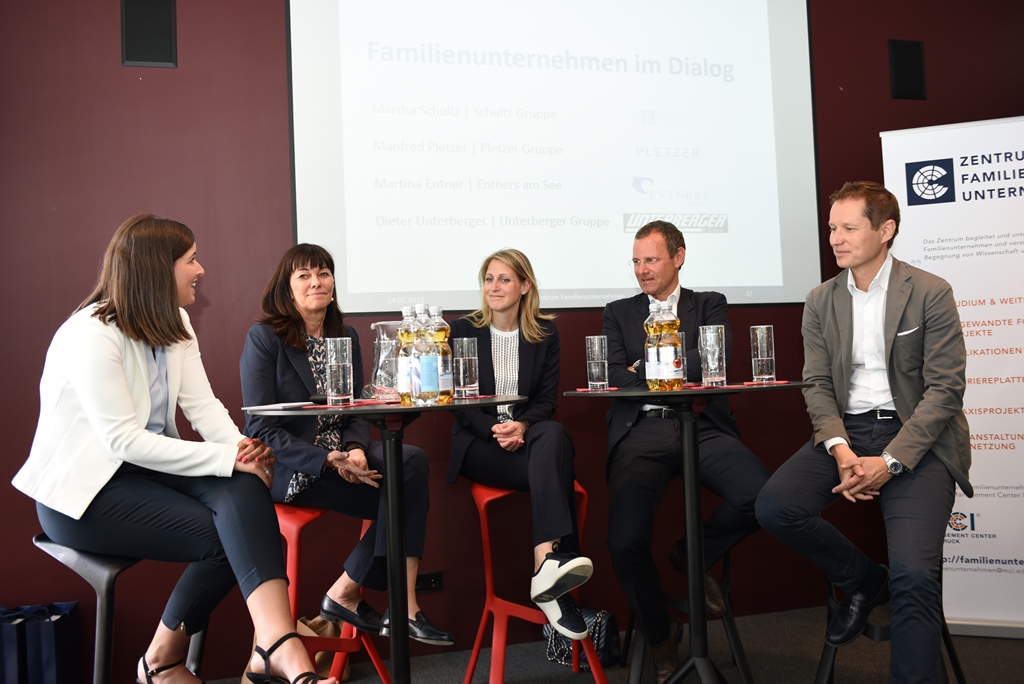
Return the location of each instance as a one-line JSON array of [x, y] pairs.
[[930, 182]]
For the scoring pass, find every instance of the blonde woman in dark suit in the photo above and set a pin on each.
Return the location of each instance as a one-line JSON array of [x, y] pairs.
[[519, 446]]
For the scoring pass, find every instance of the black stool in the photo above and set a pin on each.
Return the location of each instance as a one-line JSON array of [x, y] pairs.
[[739, 658], [101, 571], [876, 631]]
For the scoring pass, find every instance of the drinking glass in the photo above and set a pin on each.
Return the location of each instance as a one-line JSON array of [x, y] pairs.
[[597, 362], [762, 353], [467, 367], [339, 370], [711, 342]]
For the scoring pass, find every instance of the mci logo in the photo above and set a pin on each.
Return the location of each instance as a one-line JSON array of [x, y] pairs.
[[958, 522], [930, 182]]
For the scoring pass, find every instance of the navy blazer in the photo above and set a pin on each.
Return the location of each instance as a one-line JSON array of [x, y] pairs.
[[538, 380], [273, 373], [624, 327]]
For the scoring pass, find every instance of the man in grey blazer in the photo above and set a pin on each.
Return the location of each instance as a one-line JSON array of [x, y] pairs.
[[884, 349]]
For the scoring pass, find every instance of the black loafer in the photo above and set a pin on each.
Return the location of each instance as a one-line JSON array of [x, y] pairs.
[[421, 629], [851, 617], [365, 618]]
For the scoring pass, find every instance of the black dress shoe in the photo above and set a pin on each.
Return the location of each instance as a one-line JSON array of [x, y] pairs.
[[851, 617], [420, 629], [714, 601], [365, 617]]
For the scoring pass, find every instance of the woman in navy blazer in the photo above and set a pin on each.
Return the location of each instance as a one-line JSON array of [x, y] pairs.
[[329, 461], [518, 446]]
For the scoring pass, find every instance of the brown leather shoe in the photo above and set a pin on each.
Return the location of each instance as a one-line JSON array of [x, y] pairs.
[[713, 599], [666, 654]]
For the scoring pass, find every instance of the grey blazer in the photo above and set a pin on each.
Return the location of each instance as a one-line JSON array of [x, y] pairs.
[[926, 361]]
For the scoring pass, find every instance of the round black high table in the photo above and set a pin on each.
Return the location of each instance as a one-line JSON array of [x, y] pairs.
[[687, 402], [391, 420]]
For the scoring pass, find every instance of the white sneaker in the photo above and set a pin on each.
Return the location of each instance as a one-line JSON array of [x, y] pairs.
[[559, 573], [565, 616]]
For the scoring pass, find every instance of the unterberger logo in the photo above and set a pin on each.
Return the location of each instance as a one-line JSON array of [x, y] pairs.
[[930, 182], [688, 223], [958, 522]]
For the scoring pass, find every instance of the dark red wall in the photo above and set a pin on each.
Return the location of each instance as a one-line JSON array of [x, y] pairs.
[[85, 143]]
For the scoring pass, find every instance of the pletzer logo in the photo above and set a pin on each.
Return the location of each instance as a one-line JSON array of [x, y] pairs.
[[930, 182]]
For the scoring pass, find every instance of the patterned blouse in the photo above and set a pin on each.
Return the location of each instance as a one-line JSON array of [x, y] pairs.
[[328, 428], [505, 356]]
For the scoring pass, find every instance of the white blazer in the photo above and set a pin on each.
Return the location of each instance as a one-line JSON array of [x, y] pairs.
[[94, 406]]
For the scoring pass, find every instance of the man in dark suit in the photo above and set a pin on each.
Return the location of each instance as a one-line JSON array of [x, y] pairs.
[[884, 349], [643, 443]]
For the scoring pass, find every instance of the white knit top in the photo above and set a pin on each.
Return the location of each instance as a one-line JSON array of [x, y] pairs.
[[505, 357]]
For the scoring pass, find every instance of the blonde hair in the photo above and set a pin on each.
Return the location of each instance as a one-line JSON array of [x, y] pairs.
[[529, 306]]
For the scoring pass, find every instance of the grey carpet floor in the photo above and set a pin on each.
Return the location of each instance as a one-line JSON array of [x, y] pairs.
[[782, 648]]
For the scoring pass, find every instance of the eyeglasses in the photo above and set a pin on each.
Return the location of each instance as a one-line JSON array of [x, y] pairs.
[[646, 261]]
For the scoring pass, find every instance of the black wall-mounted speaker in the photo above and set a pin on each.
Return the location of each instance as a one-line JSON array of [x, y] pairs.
[[906, 70], [149, 33]]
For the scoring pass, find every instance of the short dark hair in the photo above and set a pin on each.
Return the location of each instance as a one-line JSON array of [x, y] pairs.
[[673, 236], [279, 307], [136, 288], [880, 205]]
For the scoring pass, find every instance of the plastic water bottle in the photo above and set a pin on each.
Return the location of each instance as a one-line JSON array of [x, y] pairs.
[[671, 358], [445, 379], [423, 373], [651, 368], [405, 338]]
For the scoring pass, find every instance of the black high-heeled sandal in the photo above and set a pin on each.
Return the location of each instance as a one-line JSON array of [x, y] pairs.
[[267, 678], [150, 673]]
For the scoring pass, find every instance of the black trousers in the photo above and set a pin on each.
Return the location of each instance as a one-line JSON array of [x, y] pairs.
[[367, 564], [543, 466], [224, 527], [916, 507], [639, 470]]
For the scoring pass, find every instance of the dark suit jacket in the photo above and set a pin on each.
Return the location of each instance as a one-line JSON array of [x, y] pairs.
[[538, 380], [926, 360], [624, 327], [272, 373]]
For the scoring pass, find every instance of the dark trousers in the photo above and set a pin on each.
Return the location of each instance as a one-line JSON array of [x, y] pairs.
[[543, 466], [367, 564], [916, 507], [639, 470], [223, 527]]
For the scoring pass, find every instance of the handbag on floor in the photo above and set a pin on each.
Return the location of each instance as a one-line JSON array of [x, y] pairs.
[[39, 644], [604, 630]]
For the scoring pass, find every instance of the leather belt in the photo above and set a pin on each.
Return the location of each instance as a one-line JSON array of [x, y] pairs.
[[659, 413], [878, 414]]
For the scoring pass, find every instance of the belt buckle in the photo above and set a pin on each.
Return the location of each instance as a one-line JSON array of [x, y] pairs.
[[879, 416]]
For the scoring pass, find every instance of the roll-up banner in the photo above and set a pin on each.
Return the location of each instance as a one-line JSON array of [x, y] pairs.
[[961, 193]]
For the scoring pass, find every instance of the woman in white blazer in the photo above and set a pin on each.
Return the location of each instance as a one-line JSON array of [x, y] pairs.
[[110, 475]]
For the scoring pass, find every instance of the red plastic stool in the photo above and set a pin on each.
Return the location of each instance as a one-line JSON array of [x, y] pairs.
[[291, 520], [502, 609]]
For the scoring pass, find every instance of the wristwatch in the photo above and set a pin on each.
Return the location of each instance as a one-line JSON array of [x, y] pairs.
[[894, 466]]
